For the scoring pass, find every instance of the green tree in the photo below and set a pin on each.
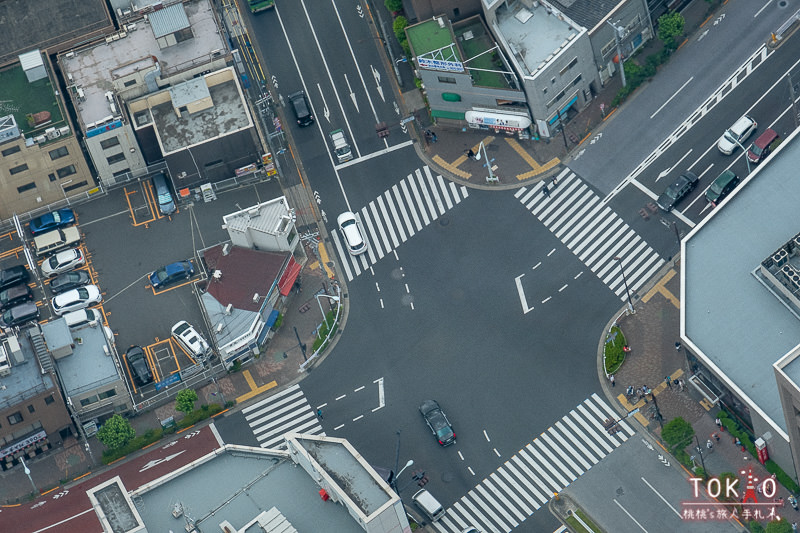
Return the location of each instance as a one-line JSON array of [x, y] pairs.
[[399, 28], [116, 432], [670, 27], [393, 5], [778, 526], [184, 401], [677, 433]]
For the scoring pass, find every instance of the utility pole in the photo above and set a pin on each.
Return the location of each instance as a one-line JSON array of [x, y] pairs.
[[617, 30]]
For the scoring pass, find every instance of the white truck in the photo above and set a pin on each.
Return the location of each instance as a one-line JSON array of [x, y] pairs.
[[340, 146]]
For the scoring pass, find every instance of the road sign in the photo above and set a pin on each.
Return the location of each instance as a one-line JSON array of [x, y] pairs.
[[407, 120], [631, 413]]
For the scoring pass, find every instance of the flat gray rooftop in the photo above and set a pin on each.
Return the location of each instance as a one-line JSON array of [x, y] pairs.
[[237, 488], [729, 315], [533, 39], [26, 25], [88, 367], [227, 115], [26, 379], [93, 68]]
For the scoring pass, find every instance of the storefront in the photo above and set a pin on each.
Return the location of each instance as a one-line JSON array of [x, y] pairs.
[[498, 122], [28, 447]]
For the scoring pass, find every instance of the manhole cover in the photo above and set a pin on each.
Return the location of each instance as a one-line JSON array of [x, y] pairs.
[[407, 299], [783, 3], [620, 491]]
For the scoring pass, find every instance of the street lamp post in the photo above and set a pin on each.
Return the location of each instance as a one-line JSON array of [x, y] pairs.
[[491, 177], [700, 452], [745, 155], [28, 473], [324, 315], [631, 310]]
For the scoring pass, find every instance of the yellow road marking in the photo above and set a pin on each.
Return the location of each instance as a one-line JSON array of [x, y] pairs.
[[255, 391], [537, 168], [450, 168], [324, 259], [660, 287]]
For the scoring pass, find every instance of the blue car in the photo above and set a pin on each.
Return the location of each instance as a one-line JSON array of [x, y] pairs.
[[171, 273], [51, 221]]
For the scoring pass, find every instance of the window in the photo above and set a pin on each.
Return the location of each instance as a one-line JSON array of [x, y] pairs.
[[26, 187], [447, 79], [569, 66], [577, 80], [129, 83], [74, 186], [110, 393], [121, 172], [16, 170], [58, 153], [116, 158], [89, 401], [13, 150], [31, 409], [66, 171], [108, 143], [49, 400], [216, 163], [52, 176], [16, 418]]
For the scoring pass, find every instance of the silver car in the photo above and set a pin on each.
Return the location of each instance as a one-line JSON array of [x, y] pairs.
[[351, 231], [63, 262], [75, 299]]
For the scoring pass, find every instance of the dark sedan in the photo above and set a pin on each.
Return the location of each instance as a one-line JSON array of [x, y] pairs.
[[140, 370], [70, 280], [51, 221], [14, 276], [677, 190], [438, 423], [171, 273]]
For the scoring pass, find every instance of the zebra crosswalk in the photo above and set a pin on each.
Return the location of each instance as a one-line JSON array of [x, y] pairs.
[[285, 412], [593, 232], [397, 214], [527, 481]]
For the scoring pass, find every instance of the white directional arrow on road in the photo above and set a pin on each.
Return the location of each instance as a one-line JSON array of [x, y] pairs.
[[377, 76], [352, 94], [668, 170], [326, 112]]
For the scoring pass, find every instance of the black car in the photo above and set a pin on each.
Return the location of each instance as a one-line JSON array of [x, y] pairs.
[[14, 276], [438, 422], [302, 111], [676, 190], [69, 280], [724, 184], [15, 295], [19, 315], [140, 370]]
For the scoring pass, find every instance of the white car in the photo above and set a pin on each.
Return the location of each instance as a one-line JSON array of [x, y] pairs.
[[351, 230], [63, 262], [190, 340], [737, 134], [75, 299]]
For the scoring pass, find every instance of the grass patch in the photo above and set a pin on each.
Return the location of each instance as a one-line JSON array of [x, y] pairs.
[[576, 526], [613, 353], [322, 340]]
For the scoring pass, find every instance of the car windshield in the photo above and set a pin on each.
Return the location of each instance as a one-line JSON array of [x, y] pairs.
[[730, 136], [716, 187], [672, 192], [161, 274], [756, 150], [180, 329], [56, 217], [348, 223], [444, 433], [53, 262], [83, 294]]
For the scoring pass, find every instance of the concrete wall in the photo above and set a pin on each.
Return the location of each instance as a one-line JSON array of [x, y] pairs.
[[53, 417]]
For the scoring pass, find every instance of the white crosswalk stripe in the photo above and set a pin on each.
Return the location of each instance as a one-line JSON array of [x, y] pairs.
[[284, 412], [593, 232], [396, 215], [526, 482]]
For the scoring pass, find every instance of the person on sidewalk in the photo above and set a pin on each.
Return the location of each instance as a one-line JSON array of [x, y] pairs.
[[612, 380], [678, 346], [668, 381], [710, 445]]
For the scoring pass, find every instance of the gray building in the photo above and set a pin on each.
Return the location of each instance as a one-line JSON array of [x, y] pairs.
[[740, 312]]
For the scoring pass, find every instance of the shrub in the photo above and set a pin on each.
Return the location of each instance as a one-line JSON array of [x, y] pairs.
[[783, 478], [199, 414], [116, 432], [678, 433], [613, 352], [393, 5], [184, 400], [399, 26], [670, 27], [755, 527]]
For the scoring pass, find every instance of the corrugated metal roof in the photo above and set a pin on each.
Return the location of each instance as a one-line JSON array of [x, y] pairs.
[[168, 20], [587, 13]]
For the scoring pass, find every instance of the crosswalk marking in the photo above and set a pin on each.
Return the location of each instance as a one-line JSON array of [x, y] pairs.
[[396, 215], [523, 484], [282, 413], [592, 231]]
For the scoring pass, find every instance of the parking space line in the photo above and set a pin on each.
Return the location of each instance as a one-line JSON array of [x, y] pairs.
[[174, 343], [130, 375], [133, 211]]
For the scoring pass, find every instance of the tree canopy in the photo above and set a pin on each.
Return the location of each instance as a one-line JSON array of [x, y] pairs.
[[116, 432]]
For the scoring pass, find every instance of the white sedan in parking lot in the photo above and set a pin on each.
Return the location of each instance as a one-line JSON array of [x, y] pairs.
[[63, 262], [76, 299]]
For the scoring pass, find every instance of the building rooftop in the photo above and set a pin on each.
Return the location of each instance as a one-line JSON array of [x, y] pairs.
[[483, 64], [587, 13], [226, 114], [95, 66], [534, 35], [729, 314], [268, 217], [26, 379], [34, 105], [27, 25], [88, 367]]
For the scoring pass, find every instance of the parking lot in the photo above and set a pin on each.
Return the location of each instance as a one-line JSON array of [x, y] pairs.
[[125, 238]]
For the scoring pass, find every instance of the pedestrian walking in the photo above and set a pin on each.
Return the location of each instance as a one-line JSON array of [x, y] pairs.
[[434, 137], [554, 181], [319, 414], [716, 436], [629, 392], [794, 526], [668, 381], [678, 346], [612, 380], [470, 154], [545, 190], [793, 502], [709, 444]]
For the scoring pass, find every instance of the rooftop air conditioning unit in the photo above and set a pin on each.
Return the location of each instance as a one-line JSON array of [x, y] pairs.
[[256, 297], [81, 95], [220, 326], [226, 248], [228, 309]]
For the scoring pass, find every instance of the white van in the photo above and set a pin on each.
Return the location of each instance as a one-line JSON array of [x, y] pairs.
[[190, 340], [55, 240], [428, 505]]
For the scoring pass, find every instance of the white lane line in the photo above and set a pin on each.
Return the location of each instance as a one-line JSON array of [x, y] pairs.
[[662, 497], [521, 292], [657, 111], [629, 515]]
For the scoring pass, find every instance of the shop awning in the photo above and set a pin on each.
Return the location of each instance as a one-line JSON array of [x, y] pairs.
[[289, 276], [563, 110], [497, 121]]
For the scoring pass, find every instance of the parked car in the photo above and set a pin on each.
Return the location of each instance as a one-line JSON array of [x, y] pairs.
[[76, 299], [19, 315], [140, 370], [351, 231], [171, 273], [51, 221], [69, 280], [15, 295], [724, 184], [737, 134], [166, 205], [677, 190], [81, 317], [301, 108], [437, 422], [63, 262], [190, 340], [14, 276], [761, 147]]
